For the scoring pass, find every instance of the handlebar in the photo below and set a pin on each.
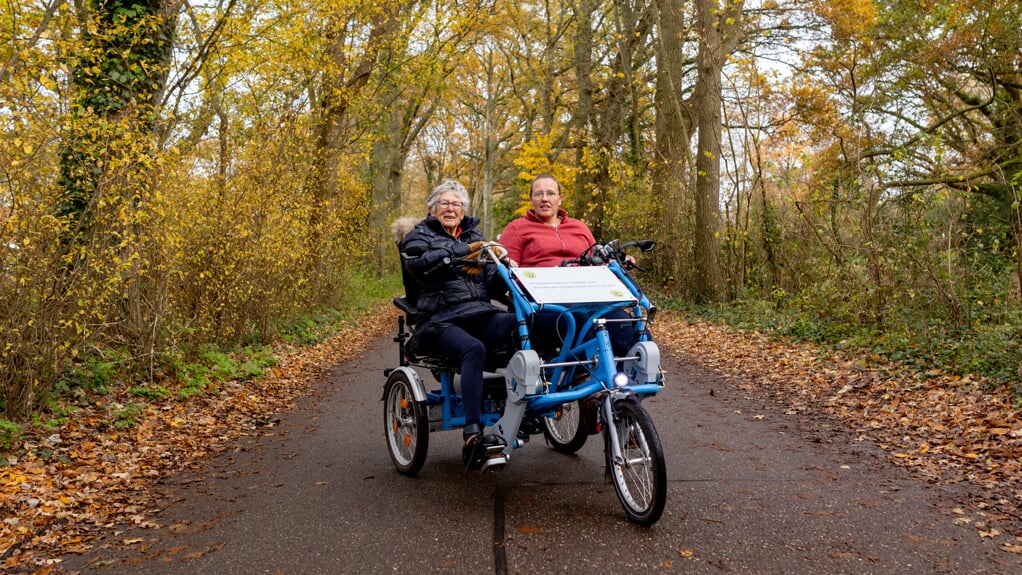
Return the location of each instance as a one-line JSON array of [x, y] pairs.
[[489, 250], [446, 261], [599, 254], [494, 252]]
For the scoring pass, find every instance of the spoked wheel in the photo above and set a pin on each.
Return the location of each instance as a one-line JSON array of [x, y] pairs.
[[640, 478], [406, 425], [564, 429]]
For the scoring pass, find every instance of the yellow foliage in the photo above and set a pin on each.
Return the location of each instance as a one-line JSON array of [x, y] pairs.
[[848, 18], [535, 159]]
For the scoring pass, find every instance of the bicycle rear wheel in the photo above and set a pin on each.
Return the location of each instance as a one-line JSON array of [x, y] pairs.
[[564, 430], [640, 477], [406, 425]]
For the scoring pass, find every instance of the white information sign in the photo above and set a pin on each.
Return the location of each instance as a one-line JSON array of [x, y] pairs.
[[583, 284]]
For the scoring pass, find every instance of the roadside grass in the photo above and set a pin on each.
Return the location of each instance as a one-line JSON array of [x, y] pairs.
[[358, 294], [112, 377], [136, 431]]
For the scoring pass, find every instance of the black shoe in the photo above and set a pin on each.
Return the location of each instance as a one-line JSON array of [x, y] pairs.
[[470, 430], [529, 426], [472, 433], [478, 448]]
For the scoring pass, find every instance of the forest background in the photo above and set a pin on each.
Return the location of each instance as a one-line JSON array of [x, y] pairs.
[[185, 183]]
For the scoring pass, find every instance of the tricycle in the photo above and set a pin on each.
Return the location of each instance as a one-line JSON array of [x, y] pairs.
[[566, 394]]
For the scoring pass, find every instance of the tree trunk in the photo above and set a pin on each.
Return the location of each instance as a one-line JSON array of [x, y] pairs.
[[119, 77], [484, 195], [387, 166], [718, 35], [671, 161], [343, 82], [584, 109]]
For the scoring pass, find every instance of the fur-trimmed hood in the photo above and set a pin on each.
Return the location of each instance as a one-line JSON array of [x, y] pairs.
[[401, 226]]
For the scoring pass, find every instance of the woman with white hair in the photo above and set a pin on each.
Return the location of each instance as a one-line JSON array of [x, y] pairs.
[[456, 318]]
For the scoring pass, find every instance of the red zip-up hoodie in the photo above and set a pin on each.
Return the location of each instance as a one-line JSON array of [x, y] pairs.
[[532, 243]]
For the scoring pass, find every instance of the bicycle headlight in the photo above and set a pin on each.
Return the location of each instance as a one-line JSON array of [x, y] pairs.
[[620, 379]]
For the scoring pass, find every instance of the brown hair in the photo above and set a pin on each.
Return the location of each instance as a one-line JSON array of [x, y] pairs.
[[545, 177]]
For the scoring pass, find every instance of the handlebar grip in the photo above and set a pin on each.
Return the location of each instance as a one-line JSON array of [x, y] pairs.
[[446, 261]]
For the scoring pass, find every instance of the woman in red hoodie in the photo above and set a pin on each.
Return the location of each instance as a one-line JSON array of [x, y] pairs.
[[544, 237]]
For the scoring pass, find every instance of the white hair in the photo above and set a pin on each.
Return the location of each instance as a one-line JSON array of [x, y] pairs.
[[448, 186]]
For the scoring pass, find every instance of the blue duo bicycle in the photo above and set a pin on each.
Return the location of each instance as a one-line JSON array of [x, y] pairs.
[[568, 393]]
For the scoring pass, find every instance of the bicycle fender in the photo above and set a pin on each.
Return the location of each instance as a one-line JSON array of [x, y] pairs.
[[418, 388]]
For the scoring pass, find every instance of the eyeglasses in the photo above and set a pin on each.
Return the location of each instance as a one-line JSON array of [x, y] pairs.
[[546, 194], [449, 204]]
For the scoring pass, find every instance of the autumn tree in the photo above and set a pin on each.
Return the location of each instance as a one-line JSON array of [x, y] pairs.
[[613, 55], [118, 79], [669, 198], [418, 64]]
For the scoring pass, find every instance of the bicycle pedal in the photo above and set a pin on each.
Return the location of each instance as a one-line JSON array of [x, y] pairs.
[[484, 452], [495, 461]]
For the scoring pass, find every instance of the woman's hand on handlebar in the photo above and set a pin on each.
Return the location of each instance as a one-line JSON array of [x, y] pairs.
[[481, 254], [601, 254]]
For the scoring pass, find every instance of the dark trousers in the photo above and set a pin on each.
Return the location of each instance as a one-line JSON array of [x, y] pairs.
[[548, 329], [465, 342]]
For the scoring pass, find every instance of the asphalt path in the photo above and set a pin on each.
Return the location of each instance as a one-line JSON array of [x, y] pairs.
[[752, 489]]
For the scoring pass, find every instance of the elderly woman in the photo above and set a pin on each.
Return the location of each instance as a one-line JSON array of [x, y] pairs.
[[456, 318]]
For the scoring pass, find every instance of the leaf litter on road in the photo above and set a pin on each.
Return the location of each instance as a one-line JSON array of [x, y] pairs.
[[71, 483], [945, 428], [86, 477]]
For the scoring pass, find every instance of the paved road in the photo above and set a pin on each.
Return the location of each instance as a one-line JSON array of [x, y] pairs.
[[751, 490]]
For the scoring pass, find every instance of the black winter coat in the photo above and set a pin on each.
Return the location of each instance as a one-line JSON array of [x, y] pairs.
[[444, 291]]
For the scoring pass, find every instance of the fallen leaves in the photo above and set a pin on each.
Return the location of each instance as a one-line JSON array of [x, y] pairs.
[[945, 428], [86, 476]]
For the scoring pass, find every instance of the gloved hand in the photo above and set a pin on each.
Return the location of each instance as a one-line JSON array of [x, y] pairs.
[[478, 255]]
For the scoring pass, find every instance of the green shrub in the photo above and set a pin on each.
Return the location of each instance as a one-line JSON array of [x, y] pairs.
[[10, 435], [127, 416], [989, 346], [149, 391], [96, 372]]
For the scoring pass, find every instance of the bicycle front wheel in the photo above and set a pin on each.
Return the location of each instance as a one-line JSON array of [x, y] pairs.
[[640, 477]]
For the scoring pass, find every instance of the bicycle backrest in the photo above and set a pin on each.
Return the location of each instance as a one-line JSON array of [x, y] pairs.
[[399, 229], [411, 314]]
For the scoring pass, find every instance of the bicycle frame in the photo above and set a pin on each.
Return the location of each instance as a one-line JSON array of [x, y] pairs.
[[549, 384], [538, 387]]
